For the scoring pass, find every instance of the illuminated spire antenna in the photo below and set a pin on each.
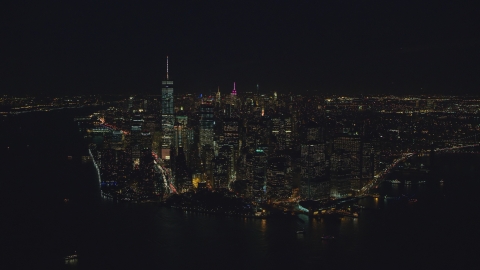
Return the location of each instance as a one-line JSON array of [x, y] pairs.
[[234, 91], [167, 67]]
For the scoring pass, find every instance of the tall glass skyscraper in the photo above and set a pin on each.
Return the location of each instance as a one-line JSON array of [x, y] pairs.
[[168, 118]]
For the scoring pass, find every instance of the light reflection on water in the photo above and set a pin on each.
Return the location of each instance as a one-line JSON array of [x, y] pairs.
[[376, 202], [263, 225], [274, 242]]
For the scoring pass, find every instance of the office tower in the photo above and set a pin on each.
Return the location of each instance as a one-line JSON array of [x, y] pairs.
[[313, 160], [218, 98], [180, 138], [345, 164], [247, 102], [313, 167], [282, 131], [146, 187], [257, 133], [182, 173], [222, 166], [153, 128], [368, 161], [146, 141], [152, 122], [231, 129], [278, 133], [288, 132], [130, 103], [278, 186], [191, 144], [207, 156], [168, 118], [256, 171], [206, 125], [252, 135], [136, 141], [230, 139], [275, 98]]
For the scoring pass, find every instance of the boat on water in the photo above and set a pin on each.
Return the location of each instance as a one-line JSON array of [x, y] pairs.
[[396, 181], [408, 182], [441, 181], [376, 195], [71, 257], [301, 231]]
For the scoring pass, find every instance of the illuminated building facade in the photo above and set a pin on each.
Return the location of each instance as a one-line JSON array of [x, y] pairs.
[[168, 118], [218, 98], [257, 175], [180, 138], [345, 164], [206, 124], [278, 172], [368, 161], [282, 131], [136, 138], [221, 171], [230, 140], [313, 167]]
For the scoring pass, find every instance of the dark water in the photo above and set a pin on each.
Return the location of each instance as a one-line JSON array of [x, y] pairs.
[[38, 229]]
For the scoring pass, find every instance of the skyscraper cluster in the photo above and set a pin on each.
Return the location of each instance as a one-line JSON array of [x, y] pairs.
[[264, 147]]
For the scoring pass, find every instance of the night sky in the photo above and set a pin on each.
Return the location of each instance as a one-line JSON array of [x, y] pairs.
[[334, 47]]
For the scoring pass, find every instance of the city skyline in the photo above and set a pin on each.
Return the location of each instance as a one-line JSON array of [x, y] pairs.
[[289, 173], [346, 47], [279, 148]]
